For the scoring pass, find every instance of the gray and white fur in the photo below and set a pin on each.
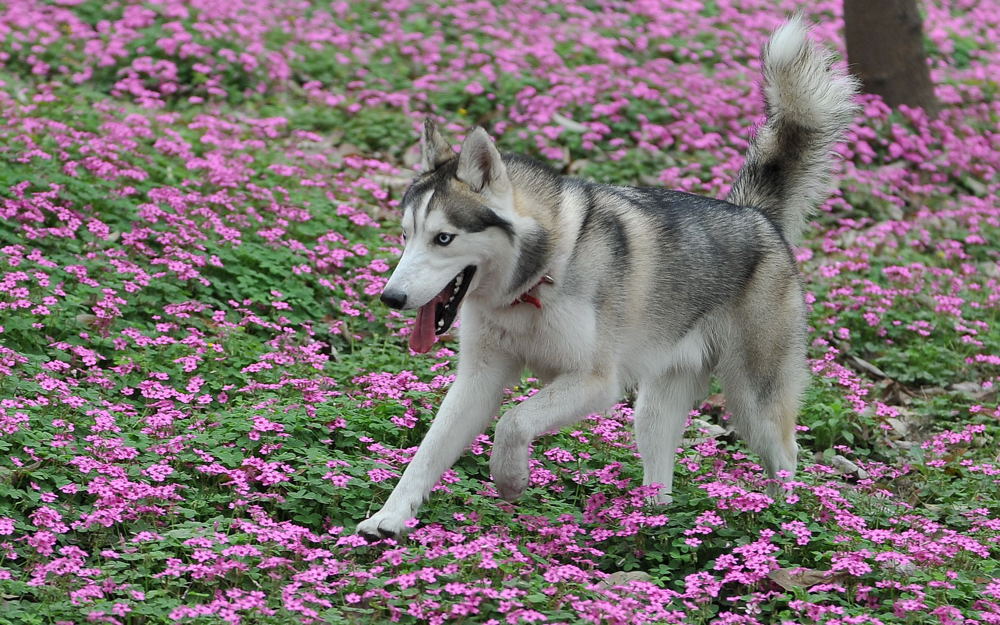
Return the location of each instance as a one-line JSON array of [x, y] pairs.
[[640, 288], [787, 170]]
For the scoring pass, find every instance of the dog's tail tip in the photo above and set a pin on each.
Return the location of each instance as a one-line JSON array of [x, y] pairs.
[[810, 104], [787, 41], [802, 80]]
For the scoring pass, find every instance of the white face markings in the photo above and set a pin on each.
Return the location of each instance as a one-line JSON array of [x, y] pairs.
[[430, 265], [426, 267]]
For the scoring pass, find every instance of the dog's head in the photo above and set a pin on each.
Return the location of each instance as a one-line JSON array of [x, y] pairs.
[[458, 222]]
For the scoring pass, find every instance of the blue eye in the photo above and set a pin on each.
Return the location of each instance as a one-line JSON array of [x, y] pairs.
[[444, 238]]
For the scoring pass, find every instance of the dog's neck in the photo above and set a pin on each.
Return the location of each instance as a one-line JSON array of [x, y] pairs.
[[530, 296]]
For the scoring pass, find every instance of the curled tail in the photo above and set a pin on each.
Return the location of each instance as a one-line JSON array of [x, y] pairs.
[[809, 105]]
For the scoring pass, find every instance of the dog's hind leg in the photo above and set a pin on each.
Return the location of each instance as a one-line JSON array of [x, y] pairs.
[[661, 412], [763, 385], [765, 415]]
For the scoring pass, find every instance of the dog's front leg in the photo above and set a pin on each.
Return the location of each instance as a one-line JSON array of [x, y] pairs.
[[569, 398], [474, 398]]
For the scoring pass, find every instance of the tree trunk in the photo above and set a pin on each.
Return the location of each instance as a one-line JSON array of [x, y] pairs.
[[885, 48]]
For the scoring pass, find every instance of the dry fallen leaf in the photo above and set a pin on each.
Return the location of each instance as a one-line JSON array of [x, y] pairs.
[[973, 390], [86, 319], [868, 367], [620, 578], [800, 577], [701, 430], [716, 400], [569, 124], [899, 426], [845, 465]]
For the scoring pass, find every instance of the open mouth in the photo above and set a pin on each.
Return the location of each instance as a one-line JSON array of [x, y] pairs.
[[436, 316]]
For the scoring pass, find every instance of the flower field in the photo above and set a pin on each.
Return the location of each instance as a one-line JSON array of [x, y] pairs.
[[201, 395]]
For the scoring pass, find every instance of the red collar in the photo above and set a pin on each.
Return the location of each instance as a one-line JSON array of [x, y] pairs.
[[531, 299]]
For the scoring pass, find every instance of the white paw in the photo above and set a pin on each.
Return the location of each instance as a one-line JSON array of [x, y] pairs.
[[386, 523], [510, 473]]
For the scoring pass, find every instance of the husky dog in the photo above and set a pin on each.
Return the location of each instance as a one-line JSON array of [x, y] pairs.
[[597, 288]]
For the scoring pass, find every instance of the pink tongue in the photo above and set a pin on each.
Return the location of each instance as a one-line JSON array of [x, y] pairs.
[[422, 338]]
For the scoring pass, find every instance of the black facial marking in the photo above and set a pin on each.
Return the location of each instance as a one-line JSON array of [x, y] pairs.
[[471, 217], [466, 211], [437, 180], [416, 189]]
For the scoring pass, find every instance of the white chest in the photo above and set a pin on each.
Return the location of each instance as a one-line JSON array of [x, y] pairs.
[[557, 338]]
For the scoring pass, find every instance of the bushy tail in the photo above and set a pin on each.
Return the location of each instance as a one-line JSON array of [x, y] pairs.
[[809, 106]]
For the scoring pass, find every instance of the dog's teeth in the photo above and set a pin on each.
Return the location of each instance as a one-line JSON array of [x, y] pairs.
[[458, 280]]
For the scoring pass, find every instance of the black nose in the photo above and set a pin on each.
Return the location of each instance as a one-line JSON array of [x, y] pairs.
[[393, 299]]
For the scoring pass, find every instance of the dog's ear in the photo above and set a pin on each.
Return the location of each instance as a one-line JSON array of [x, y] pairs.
[[479, 163], [434, 148]]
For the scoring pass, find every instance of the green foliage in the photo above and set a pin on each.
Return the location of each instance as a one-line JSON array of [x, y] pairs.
[[270, 297]]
